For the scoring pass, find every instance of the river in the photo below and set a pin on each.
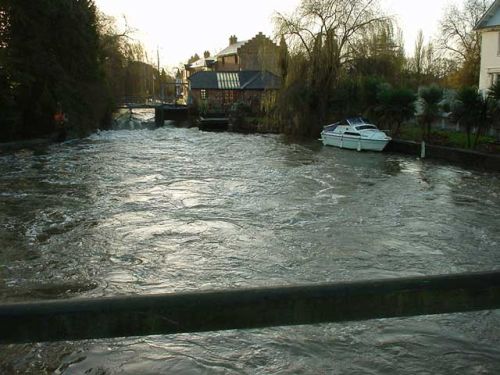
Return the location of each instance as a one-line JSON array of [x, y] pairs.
[[163, 210]]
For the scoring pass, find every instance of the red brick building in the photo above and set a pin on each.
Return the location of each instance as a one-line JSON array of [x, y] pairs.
[[258, 53], [245, 71], [218, 91]]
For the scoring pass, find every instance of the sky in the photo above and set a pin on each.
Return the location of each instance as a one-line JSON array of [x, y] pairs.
[[179, 29]]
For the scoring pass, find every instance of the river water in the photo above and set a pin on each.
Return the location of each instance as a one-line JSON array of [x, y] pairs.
[[149, 211]]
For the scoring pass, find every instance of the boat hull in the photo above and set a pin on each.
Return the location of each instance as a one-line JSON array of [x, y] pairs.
[[354, 143]]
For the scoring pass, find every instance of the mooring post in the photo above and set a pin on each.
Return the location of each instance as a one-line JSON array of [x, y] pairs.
[[96, 318], [422, 150], [159, 115]]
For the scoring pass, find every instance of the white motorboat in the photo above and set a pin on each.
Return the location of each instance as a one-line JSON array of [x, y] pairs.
[[356, 134]]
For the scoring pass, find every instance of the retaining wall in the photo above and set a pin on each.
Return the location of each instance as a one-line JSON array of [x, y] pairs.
[[464, 157]]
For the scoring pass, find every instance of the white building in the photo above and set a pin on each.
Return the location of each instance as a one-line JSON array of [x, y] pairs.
[[489, 27]]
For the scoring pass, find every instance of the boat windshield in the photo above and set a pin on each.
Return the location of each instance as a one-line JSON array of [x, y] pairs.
[[364, 127], [330, 128], [353, 121]]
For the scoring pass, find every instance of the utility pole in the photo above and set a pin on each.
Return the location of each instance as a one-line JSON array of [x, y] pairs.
[[159, 73]]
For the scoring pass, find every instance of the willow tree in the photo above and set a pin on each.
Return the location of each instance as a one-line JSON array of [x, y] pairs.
[[380, 53], [283, 59], [322, 34]]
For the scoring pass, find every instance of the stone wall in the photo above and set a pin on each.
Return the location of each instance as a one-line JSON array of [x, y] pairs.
[[457, 156]]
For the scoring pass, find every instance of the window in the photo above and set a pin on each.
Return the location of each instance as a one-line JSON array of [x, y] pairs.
[[498, 43], [203, 94], [364, 127], [228, 96], [494, 78]]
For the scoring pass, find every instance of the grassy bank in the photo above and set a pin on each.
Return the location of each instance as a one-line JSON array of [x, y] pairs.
[[449, 138]]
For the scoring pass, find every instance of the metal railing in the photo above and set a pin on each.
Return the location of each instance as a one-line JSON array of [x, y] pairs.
[[96, 318]]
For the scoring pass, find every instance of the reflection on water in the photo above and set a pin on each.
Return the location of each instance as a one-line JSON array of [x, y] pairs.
[[154, 211]]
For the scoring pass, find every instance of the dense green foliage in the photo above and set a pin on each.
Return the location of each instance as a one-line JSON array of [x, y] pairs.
[[62, 54], [396, 105], [429, 102], [472, 109], [50, 55]]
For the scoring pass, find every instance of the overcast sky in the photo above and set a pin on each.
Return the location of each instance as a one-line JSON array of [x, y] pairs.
[[181, 28]]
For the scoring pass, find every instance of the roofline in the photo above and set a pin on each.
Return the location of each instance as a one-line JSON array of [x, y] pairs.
[[486, 15], [244, 87], [241, 44], [226, 54], [233, 71], [238, 89]]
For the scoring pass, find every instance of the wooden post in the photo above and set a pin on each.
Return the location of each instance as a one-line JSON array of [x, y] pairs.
[[96, 318], [159, 115], [422, 150]]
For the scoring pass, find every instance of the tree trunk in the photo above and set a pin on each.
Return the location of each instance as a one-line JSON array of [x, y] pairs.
[[476, 138], [396, 131]]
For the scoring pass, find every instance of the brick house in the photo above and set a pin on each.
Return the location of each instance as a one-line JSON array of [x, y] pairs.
[[258, 53], [245, 71], [218, 91]]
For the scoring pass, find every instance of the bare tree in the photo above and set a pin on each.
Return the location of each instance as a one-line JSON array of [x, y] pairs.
[[457, 35], [419, 54], [459, 39]]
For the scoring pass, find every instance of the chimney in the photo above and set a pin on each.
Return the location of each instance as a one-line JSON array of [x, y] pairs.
[[233, 40], [206, 54]]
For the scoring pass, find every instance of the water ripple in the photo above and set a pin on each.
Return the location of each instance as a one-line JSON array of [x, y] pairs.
[[146, 212]]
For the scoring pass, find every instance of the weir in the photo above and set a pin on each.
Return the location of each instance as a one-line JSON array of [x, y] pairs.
[[170, 112], [163, 111], [97, 318]]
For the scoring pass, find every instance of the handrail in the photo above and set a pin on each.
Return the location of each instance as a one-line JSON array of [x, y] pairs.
[[94, 318]]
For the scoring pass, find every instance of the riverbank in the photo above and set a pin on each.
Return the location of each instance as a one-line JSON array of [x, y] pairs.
[[26, 144], [469, 158], [481, 160]]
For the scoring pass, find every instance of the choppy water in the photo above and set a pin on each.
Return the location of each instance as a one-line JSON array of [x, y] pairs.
[[173, 209]]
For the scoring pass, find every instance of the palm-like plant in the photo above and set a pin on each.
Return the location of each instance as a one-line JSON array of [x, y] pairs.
[[428, 107], [396, 106], [494, 96], [471, 109], [494, 91]]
